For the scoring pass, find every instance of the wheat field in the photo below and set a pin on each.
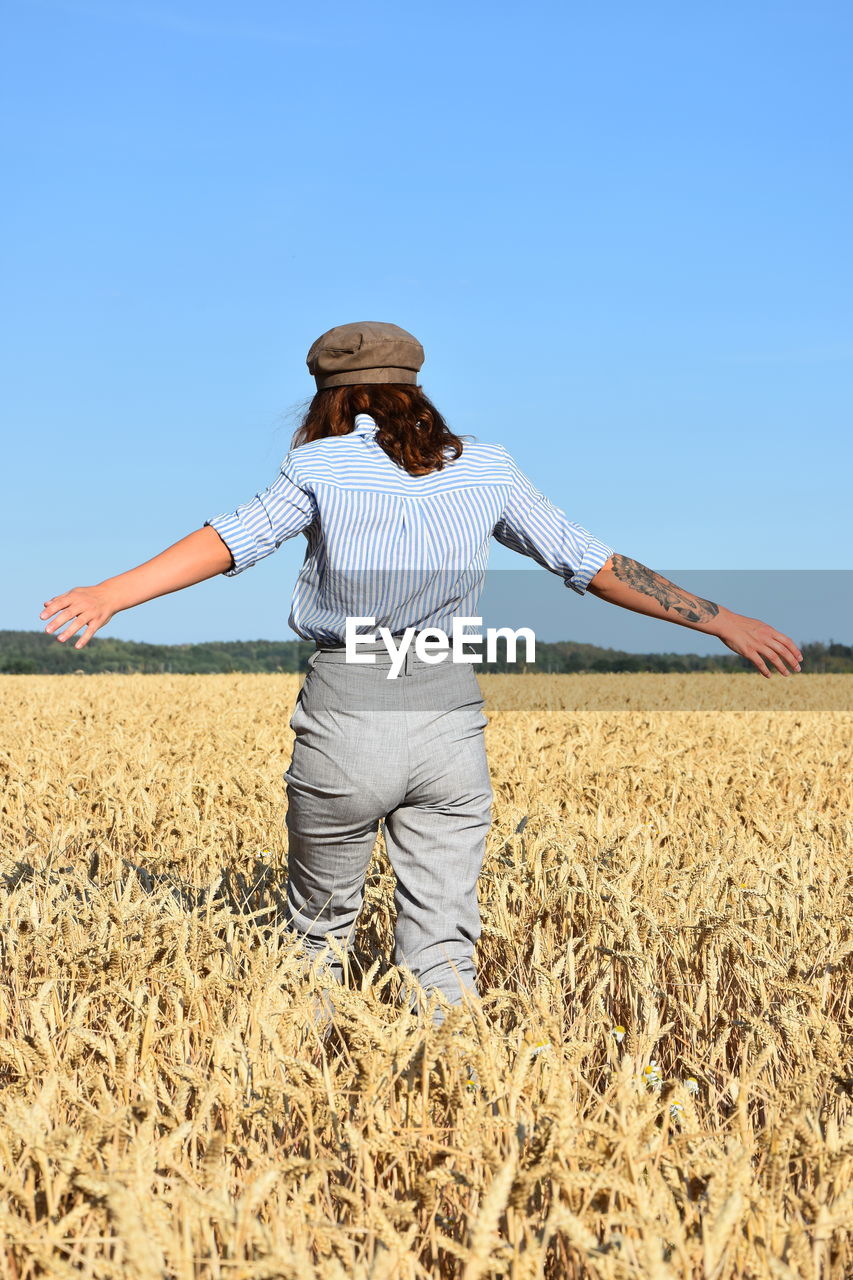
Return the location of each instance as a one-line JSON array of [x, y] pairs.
[[663, 1049]]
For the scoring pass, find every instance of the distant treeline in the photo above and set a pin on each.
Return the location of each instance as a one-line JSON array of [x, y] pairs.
[[37, 653]]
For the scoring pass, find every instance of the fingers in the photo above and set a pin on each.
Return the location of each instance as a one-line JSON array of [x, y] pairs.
[[777, 653], [72, 629], [766, 642], [792, 648], [787, 649], [72, 619], [757, 661], [91, 628], [76, 610], [65, 615], [775, 658], [51, 606]]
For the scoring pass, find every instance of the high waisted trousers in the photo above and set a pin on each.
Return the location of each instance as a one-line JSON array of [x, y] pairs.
[[407, 751]]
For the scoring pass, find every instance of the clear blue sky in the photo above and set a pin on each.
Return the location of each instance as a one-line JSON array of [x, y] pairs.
[[622, 233]]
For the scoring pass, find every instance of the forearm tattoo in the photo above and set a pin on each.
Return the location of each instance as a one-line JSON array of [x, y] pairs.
[[691, 608]]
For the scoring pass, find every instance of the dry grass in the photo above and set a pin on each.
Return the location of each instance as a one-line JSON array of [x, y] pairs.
[[167, 1110]]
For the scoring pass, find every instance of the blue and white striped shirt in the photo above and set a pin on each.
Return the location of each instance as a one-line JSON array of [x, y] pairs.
[[410, 551]]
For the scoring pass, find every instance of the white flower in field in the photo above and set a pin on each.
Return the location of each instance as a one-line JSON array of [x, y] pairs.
[[618, 1034], [691, 1084], [539, 1046], [651, 1075], [265, 854], [676, 1109]]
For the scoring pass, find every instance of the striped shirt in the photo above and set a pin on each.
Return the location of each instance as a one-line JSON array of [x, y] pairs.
[[409, 551]]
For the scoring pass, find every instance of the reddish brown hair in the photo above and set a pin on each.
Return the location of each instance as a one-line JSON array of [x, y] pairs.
[[411, 429]]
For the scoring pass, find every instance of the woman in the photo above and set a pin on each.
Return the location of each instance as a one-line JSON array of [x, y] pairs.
[[398, 515]]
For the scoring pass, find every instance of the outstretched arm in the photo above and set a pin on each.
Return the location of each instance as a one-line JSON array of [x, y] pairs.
[[201, 554], [631, 585], [229, 544]]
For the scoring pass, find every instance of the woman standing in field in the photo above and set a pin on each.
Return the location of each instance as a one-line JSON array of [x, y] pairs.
[[398, 515]]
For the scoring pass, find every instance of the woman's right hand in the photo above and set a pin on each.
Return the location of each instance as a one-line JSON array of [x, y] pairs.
[[201, 554], [89, 607]]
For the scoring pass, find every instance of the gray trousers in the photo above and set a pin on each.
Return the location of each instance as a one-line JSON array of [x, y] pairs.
[[407, 751]]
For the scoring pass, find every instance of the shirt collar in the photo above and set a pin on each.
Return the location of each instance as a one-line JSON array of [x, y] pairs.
[[365, 425]]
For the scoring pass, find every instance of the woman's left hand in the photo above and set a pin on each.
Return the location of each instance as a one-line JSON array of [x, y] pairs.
[[756, 640]]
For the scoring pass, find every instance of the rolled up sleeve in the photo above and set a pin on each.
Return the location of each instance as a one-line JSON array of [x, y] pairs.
[[533, 526], [259, 527]]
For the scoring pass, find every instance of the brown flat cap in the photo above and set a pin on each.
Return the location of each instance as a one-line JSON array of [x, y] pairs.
[[366, 352]]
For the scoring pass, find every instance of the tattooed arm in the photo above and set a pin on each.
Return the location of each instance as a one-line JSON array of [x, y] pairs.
[[631, 585]]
